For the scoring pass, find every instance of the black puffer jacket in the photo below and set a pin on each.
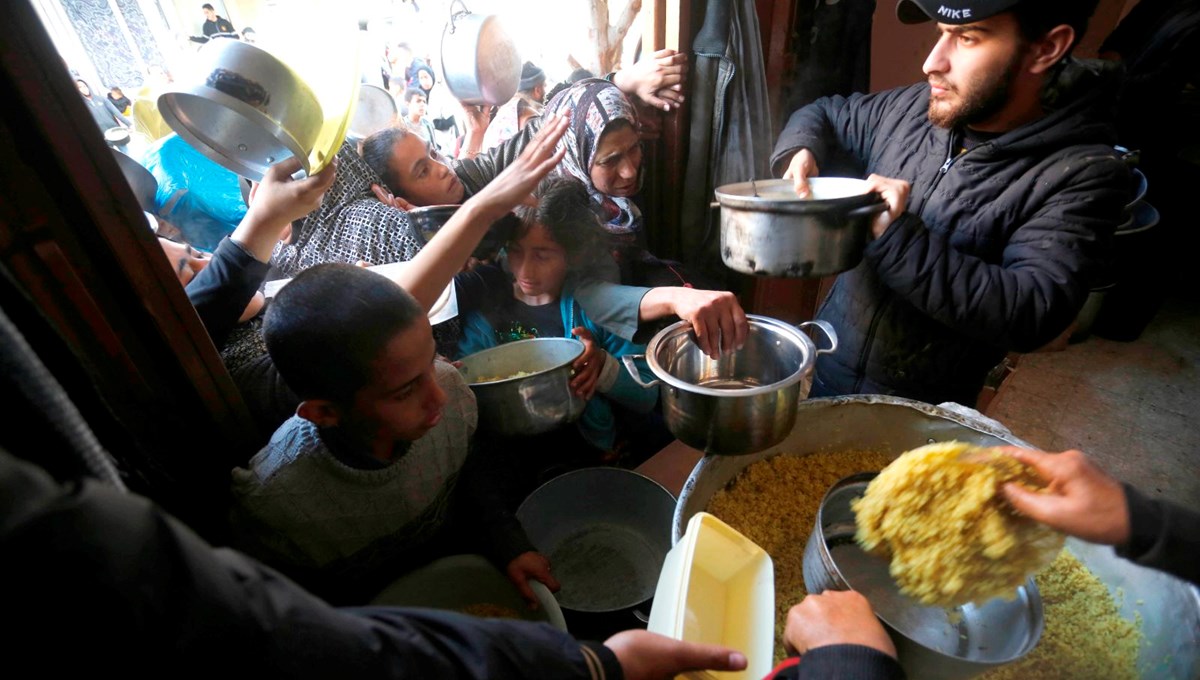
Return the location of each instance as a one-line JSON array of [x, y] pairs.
[[997, 249]]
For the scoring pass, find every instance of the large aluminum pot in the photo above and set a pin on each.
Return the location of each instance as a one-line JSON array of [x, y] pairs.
[[246, 110], [1169, 608], [932, 643], [536, 402], [480, 63], [767, 230], [742, 402]]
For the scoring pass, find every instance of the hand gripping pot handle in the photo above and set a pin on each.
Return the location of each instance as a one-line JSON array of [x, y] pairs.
[[628, 360], [827, 329]]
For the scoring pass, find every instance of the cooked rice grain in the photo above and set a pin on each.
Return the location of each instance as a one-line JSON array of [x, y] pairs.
[[774, 503], [939, 512], [1085, 637]]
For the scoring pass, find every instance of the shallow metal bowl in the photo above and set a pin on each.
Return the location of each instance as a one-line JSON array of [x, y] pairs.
[[529, 404]]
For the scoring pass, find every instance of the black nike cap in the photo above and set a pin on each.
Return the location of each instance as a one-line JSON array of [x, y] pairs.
[[952, 11]]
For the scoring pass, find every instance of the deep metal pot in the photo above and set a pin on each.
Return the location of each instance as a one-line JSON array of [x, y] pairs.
[[606, 532], [933, 643], [245, 109], [480, 63], [742, 402], [531, 404], [1169, 608], [767, 230]]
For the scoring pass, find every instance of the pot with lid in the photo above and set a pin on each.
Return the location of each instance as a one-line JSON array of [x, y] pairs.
[[767, 230], [745, 400]]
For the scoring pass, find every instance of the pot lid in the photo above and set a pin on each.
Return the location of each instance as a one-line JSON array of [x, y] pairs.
[[780, 193]]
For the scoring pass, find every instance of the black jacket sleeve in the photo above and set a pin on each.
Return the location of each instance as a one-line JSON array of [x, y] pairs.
[[1163, 536], [221, 291], [845, 662], [832, 128], [1036, 290], [116, 580]]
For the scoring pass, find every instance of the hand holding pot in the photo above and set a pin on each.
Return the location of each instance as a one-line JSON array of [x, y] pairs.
[[587, 366], [1080, 500], [717, 317], [803, 166], [531, 565], [895, 193], [276, 202], [835, 617], [649, 656]]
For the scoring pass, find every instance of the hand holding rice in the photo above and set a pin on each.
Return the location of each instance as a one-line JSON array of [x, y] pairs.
[[940, 513]]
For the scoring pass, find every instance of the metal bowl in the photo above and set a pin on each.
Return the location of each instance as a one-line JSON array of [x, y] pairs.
[[743, 401], [245, 109], [931, 642], [767, 230], [529, 404]]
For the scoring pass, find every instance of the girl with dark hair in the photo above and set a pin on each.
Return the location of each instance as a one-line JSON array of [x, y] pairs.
[[553, 247]]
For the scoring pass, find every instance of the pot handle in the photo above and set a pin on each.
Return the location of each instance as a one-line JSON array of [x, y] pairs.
[[633, 370], [827, 329], [640, 616], [457, 15], [871, 209]]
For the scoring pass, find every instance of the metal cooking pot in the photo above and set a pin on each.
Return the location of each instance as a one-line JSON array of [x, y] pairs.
[[375, 110], [932, 643], [143, 184], [742, 402], [606, 532], [767, 230], [480, 63], [1169, 607], [246, 111], [530, 404]]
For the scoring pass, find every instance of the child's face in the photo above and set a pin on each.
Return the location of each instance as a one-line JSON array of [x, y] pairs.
[[538, 263], [404, 400]]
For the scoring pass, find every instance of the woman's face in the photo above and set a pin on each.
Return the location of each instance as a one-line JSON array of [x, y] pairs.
[[425, 79], [422, 177], [617, 162]]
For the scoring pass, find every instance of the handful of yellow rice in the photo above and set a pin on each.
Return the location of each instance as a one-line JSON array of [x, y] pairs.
[[939, 512]]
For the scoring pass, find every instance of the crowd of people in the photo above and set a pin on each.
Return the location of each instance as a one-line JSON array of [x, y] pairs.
[[1001, 202]]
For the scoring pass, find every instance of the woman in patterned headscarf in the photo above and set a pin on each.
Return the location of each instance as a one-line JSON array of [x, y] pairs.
[[604, 151]]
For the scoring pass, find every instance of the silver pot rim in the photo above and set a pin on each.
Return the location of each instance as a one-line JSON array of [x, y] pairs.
[[789, 331], [503, 347], [739, 196]]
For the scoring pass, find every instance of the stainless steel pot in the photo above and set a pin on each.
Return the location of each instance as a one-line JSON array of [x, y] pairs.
[[374, 111], [932, 643], [606, 532], [767, 230], [1169, 608], [530, 404], [143, 184], [480, 63], [245, 109], [742, 402]]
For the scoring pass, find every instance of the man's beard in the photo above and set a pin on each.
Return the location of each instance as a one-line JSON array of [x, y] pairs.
[[982, 102]]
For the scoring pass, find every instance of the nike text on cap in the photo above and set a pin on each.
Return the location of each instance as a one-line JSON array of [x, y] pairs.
[[951, 11]]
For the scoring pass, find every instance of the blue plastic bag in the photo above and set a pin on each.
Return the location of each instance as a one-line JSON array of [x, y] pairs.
[[201, 198]]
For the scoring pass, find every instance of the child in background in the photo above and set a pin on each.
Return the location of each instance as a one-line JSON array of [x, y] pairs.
[[552, 247]]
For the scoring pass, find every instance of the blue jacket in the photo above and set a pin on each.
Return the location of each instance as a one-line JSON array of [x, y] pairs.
[[597, 424]]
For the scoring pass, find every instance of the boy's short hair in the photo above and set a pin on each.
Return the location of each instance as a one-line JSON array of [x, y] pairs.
[[207, 6], [565, 209], [326, 329], [411, 92], [377, 151]]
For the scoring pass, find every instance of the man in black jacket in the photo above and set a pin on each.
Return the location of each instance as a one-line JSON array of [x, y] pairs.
[[1003, 192]]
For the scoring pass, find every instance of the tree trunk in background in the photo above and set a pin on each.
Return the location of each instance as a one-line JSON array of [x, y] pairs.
[[608, 38]]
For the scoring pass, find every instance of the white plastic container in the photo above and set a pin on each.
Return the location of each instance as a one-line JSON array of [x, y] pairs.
[[718, 587]]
